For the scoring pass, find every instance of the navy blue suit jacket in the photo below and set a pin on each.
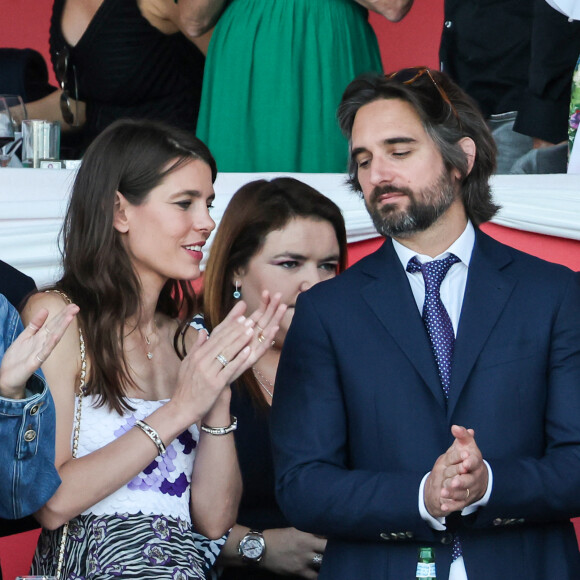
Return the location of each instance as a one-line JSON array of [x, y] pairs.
[[359, 417]]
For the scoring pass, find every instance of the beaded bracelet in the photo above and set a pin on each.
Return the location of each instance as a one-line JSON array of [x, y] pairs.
[[152, 434], [221, 430]]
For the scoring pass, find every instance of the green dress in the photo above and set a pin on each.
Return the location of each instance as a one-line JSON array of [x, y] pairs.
[[274, 76]]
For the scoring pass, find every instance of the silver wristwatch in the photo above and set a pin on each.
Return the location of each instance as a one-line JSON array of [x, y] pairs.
[[252, 547]]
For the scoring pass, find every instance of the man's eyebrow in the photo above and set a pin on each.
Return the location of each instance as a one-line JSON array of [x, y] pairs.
[[390, 141]]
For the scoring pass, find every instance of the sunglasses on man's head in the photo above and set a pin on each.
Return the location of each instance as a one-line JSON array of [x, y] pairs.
[[408, 76]]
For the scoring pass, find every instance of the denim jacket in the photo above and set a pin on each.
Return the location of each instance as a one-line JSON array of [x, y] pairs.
[[28, 477]]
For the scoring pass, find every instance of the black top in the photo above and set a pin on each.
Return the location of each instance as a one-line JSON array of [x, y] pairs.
[[258, 507], [555, 51], [485, 48], [127, 68]]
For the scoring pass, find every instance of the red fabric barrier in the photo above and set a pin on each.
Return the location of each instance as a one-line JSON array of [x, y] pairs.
[[559, 250]]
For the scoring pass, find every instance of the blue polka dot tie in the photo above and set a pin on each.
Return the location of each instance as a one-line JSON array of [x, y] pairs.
[[435, 317], [439, 328]]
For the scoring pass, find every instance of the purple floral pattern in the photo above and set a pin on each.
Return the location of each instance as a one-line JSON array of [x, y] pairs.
[[76, 532], [153, 547], [160, 475], [100, 531], [115, 570], [155, 554], [161, 528]]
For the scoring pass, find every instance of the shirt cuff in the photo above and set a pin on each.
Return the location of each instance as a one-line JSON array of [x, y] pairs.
[[435, 523], [439, 523]]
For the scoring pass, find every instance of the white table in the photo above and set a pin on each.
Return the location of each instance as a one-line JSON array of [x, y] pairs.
[[33, 203]]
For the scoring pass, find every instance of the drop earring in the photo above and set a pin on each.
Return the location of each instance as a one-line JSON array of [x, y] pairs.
[[237, 293]]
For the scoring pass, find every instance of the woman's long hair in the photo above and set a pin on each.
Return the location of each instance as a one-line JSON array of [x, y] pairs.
[[257, 209], [131, 157]]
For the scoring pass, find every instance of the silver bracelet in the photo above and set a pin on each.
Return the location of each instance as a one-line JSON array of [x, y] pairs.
[[221, 430], [152, 434]]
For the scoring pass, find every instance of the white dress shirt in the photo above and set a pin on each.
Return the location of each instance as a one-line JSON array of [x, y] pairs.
[[452, 291]]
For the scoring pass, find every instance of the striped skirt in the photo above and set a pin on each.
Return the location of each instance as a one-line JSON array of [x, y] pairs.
[[127, 546]]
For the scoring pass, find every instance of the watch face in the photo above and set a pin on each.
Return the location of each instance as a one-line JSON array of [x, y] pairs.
[[252, 547]]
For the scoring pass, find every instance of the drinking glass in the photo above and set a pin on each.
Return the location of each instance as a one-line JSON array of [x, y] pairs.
[[6, 131], [19, 113], [17, 110]]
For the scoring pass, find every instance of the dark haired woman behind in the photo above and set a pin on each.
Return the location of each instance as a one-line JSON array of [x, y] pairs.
[[280, 236], [133, 236]]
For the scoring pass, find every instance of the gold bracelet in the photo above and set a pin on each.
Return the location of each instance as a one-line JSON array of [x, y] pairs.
[[152, 434], [221, 430]]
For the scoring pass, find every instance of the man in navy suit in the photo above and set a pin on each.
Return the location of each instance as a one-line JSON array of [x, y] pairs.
[[410, 412]]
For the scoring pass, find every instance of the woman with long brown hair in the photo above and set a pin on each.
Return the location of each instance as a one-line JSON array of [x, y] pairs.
[[142, 395], [277, 236]]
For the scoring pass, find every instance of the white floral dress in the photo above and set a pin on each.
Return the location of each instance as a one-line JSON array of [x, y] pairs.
[[144, 529]]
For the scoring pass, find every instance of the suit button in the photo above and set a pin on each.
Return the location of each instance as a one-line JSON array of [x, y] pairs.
[[394, 536], [447, 538], [384, 536], [402, 536], [497, 522], [34, 410], [30, 435], [409, 534], [521, 521], [448, 24]]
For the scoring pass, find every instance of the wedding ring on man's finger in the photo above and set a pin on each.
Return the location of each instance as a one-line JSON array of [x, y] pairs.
[[40, 360], [222, 359], [47, 330], [317, 561]]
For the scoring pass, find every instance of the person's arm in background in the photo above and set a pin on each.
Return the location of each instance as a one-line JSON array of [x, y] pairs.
[[193, 18], [393, 10], [555, 48], [48, 108], [27, 474], [197, 17]]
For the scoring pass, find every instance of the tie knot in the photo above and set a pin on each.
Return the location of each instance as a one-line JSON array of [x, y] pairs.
[[434, 271]]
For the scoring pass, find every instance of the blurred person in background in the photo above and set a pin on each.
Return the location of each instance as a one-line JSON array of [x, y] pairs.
[[274, 76], [120, 59]]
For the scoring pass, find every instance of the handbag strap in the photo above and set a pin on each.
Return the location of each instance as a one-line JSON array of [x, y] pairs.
[[76, 430]]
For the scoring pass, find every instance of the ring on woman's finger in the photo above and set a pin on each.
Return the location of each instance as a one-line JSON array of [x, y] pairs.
[[223, 360], [40, 360], [317, 561], [259, 329], [261, 337]]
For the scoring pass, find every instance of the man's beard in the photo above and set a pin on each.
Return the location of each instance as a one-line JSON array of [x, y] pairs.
[[424, 209]]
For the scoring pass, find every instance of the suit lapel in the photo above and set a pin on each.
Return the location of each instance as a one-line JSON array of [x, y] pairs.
[[486, 294], [390, 297]]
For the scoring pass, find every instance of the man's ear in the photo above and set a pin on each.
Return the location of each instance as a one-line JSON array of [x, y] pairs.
[[120, 220], [469, 148]]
